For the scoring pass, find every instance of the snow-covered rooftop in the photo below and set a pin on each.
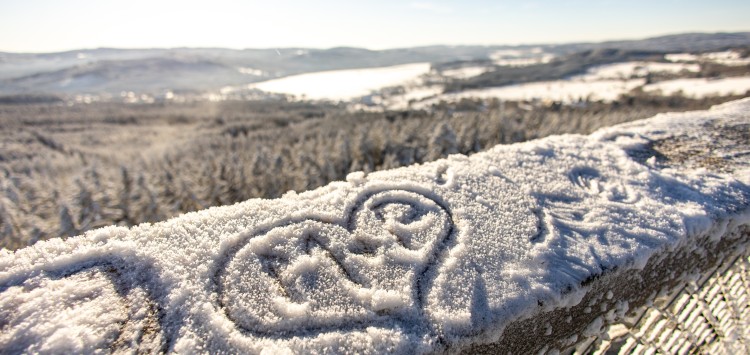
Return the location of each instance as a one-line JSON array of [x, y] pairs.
[[419, 259]]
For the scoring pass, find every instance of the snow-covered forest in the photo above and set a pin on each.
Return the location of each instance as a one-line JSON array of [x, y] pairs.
[[68, 169]]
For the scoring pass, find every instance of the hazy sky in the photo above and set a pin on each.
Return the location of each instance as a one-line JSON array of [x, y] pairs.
[[54, 25]]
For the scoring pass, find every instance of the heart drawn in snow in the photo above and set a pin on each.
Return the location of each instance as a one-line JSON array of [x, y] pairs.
[[307, 275]]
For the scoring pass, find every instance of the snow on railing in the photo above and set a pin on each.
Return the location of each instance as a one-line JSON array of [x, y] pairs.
[[631, 239]]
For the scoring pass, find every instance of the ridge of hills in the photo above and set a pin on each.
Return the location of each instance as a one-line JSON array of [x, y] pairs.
[[111, 70]]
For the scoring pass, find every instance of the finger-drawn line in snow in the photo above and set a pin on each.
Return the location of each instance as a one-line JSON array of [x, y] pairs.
[[567, 211], [308, 275], [142, 327], [444, 175], [585, 178]]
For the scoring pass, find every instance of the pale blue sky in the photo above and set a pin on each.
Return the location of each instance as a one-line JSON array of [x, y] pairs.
[[54, 25]]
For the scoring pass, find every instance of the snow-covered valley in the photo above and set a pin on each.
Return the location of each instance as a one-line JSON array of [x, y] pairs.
[[417, 86]]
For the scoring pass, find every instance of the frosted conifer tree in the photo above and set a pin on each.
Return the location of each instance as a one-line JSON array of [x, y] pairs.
[[442, 142]]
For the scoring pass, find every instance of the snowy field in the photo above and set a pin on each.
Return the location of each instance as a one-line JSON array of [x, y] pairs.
[[464, 72], [629, 70], [506, 58], [567, 91], [343, 84], [520, 57], [731, 58], [423, 86], [419, 259], [702, 87], [605, 83]]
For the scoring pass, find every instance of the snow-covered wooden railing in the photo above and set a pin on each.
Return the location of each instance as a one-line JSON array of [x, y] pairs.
[[556, 244]]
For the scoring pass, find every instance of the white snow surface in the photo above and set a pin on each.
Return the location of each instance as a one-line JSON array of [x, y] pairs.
[[343, 84], [628, 70], [566, 91], [730, 58], [521, 57], [605, 83], [524, 62], [251, 71], [702, 87], [409, 260], [465, 72]]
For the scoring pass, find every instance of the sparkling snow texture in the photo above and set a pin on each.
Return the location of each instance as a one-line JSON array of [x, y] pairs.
[[415, 259]]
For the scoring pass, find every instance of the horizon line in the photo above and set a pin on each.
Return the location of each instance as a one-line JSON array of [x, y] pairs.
[[631, 39]]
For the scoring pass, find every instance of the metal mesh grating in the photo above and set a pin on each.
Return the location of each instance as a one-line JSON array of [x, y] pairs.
[[708, 315]]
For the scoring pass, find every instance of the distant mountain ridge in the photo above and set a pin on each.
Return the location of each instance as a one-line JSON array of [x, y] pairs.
[[112, 71], [681, 42]]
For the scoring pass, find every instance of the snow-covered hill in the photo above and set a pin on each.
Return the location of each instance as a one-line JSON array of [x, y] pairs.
[[107, 72], [430, 257]]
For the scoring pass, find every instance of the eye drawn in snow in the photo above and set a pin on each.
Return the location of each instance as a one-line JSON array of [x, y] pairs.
[[308, 275]]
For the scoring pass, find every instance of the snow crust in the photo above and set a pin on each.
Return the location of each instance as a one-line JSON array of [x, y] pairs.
[[410, 260]]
